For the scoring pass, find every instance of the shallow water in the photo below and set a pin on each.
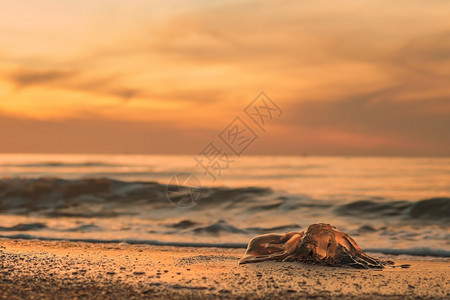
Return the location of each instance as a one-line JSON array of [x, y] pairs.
[[390, 205]]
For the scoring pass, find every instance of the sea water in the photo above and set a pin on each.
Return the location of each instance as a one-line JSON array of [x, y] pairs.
[[397, 205]]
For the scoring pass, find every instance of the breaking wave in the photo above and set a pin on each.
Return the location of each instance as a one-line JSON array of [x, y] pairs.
[[88, 198]]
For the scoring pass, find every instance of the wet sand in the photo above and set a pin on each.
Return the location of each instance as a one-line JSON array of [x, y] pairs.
[[69, 270]]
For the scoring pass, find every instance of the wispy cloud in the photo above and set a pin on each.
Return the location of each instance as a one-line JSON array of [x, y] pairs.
[[25, 78], [70, 80]]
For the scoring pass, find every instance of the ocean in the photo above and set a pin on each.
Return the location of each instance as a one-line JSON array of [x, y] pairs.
[[391, 205]]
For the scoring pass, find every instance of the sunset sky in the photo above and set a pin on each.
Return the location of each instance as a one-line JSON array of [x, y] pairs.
[[108, 76]]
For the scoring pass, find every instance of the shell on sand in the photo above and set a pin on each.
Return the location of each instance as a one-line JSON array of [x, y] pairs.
[[319, 243]]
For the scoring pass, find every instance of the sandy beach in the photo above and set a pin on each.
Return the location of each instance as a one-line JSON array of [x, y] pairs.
[[69, 270]]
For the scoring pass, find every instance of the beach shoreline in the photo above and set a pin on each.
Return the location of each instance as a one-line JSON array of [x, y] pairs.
[[68, 270]]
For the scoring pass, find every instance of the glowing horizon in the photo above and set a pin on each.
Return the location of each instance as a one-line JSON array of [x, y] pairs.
[[367, 78]]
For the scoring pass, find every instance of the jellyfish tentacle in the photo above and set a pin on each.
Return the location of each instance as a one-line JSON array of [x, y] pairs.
[[271, 247]]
